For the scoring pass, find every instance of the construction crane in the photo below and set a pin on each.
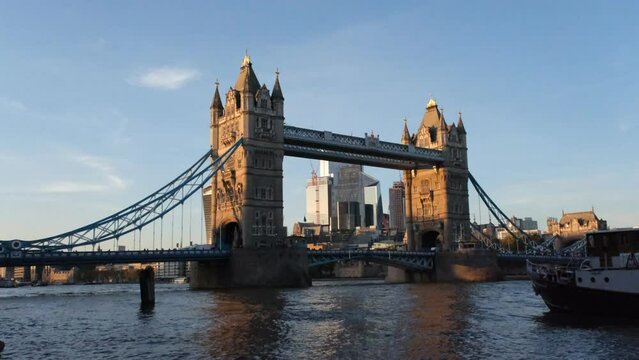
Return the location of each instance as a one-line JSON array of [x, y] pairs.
[[315, 184]]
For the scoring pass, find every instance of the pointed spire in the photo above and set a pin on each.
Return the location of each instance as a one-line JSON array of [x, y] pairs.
[[460, 124], [442, 120], [277, 90], [217, 101], [431, 102], [247, 80], [247, 59], [405, 134]]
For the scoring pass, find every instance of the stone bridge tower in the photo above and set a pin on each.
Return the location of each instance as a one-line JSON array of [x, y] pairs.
[[246, 198], [437, 199]]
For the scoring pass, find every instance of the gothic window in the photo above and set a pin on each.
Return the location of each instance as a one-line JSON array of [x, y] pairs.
[[256, 226], [263, 103], [262, 223], [269, 224], [270, 193], [220, 199], [432, 132], [230, 195], [228, 134], [270, 163], [264, 127], [425, 186], [239, 192]]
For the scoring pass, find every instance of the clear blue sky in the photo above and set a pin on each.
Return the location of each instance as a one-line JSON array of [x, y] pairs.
[[101, 103]]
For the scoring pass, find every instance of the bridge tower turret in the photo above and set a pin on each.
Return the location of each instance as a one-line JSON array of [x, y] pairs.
[[246, 209], [437, 198], [217, 111]]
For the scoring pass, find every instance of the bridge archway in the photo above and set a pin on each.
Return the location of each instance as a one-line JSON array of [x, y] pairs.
[[231, 236], [430, 239]]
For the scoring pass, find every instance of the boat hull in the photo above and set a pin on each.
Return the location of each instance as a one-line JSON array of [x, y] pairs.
[[575, 299]]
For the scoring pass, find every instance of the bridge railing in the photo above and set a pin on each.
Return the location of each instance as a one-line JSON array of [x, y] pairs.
[[18, 258], [334, 141], [370, 252]]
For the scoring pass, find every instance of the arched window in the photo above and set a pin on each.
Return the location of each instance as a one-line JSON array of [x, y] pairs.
[[432, 132]]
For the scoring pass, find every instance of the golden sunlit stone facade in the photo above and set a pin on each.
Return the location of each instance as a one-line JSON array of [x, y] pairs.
[[437, 199], [576, 224], [246, 198]]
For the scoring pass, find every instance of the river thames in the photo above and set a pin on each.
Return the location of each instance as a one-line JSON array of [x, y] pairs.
[[358, 319]]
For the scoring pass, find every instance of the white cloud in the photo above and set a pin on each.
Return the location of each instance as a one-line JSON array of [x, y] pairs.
[[7, 157], [12, 104], [166, 78], [110, 180], [73, 187]]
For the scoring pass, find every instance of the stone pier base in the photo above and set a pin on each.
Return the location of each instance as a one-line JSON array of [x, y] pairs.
[[463, 266], [396, 275], [261, 267], [468, 265], [357, 269]]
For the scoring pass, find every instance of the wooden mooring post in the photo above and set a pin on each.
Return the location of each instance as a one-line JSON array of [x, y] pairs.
[[147, 286]]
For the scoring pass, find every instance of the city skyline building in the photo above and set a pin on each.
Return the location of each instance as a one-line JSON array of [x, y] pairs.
[[344, 197], [525, 224], [318, 199], [396, 206]]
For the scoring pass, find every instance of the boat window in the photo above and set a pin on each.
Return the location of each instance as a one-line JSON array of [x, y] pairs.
[[579, 279], [606, 279], [592, 279]]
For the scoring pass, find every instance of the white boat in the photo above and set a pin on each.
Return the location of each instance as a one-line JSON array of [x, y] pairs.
[[605, 283]]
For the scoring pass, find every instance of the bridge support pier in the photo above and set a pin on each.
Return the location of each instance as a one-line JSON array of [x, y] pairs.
[[147, 287], [454, 266], [260, 267], [39, 273], [468, 265], [27, 274], [398, 275]]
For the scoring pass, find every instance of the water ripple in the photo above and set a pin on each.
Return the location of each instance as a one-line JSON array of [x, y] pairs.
[[332, 320]]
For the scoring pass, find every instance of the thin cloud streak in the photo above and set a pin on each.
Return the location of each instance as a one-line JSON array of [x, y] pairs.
[[12, 104], [165, 78], [111, 182]]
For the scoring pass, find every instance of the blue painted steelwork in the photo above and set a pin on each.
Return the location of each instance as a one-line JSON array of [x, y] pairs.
[[549, 259], [489, 243], [368, 150], [506, 223], [423, 261], [73, 258], [136, 216]]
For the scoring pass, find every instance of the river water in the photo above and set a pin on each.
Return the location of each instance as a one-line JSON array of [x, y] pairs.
[[332, 320]]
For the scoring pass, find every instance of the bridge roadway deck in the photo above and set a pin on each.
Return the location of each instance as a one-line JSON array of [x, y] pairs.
[[72, 258], [415, 260], [406, 259], [368, 150]]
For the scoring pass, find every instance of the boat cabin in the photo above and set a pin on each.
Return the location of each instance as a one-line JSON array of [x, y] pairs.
[[613, 247]]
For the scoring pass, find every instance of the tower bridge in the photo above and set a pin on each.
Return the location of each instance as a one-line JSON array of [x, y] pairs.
[[242, 171]]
